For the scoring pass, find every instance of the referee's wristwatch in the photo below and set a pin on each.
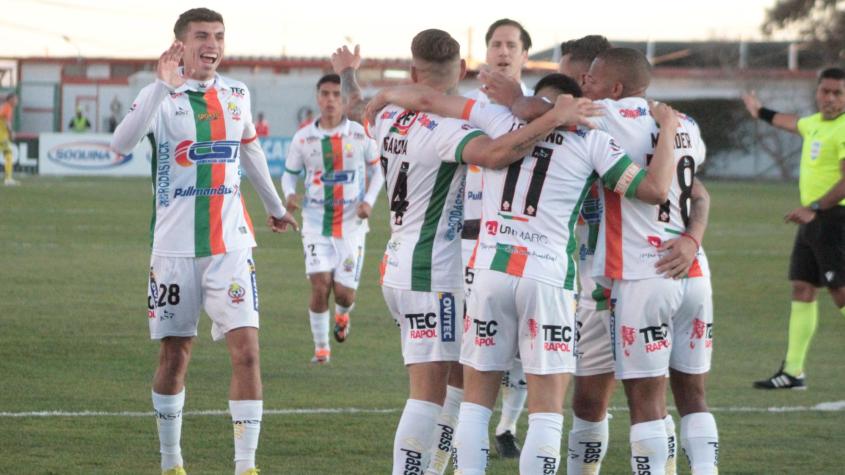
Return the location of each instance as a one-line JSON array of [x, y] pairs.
[[815, 206]]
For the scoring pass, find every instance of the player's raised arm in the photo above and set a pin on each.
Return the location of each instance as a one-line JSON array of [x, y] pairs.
[[345, 63], [788, 122], [508, 148], [654, 188], [137, 122]]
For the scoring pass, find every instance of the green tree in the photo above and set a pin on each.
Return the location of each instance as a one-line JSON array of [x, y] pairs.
[[819, 22]]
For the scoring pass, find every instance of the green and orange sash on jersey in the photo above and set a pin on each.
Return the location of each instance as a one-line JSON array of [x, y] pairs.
[[333, 191], [208, 210]]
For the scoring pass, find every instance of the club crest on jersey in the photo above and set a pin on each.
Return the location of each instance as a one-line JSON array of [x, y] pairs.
[[236, 293], [403, 123], [234, 110], [203, 153]]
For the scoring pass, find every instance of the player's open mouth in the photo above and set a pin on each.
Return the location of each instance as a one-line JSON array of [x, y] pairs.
[[503, 65], [208, 58]]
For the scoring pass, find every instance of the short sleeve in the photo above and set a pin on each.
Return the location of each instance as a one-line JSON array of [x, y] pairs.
[[802, 125], [451, 137], [371, 155], [617, 171], [496, 120]]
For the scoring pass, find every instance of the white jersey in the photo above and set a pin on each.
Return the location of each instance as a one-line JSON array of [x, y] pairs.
[[530, 208], [632, 229], [472, 189], [335, 163], [198, 130], [421, 157]]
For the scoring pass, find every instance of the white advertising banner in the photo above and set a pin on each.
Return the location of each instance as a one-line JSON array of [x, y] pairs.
[[90, 154]]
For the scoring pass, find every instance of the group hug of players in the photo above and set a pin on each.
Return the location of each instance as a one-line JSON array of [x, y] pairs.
[[535, 235], [493, 198]]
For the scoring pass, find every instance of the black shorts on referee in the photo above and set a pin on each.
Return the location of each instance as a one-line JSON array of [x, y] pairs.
[[818, 256]]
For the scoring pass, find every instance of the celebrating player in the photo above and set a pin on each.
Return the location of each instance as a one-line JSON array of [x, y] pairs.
[[507, 51], [202, 129], [337, 158]]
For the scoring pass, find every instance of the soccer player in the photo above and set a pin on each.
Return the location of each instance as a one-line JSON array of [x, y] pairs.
[[523, 295], [337, 158], [817, 258], [201, 125], [659, 324], [576, 56], [507, 51], [421, 269], [7, 122]]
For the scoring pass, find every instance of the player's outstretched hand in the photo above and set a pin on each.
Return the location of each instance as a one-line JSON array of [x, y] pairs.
[[500, 87], [280, 225], [664, 115], [342, 58], [752, 103], [802, 215], [168, 66], [571, 111], [364, 210], [680, 254]]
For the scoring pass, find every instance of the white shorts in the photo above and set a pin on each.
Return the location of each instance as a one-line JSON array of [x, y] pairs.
[[593, 344], [179, 287], [430, 323], [660, 324], [343, 257], [506, 314]]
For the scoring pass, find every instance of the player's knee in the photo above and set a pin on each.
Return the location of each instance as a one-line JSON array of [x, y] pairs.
[[589, 408], [803, 291], [245, 357], [344, 298]]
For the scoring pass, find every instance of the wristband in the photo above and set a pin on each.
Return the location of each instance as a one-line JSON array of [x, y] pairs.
[[766, 115], [688, 235]]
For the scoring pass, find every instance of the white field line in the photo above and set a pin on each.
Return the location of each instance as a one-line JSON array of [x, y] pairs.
[[833, 406]]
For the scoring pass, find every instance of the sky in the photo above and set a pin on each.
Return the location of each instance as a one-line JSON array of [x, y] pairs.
[[132, 28]]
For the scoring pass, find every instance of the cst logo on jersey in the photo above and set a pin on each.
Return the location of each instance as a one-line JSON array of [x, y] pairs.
[[204, 153], [339, 177], [701, 331]]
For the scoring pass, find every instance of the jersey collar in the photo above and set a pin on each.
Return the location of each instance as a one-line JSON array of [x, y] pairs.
[[343, 127], [201, 86]]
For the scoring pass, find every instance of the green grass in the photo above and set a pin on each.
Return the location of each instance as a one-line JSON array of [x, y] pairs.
[[73, 337]]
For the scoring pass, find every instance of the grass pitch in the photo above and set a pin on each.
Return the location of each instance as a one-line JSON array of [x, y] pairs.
[[73, 338]]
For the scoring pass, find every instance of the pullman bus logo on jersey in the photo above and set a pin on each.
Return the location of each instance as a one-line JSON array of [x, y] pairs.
[[87, 155], [203, 153]]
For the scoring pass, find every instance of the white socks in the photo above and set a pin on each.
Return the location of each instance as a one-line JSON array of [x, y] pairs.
[[168, 414], [672, 439], [513, 399], [444, 433], [587, 446], [649, 447], [700, 440], [246, 421], [472, 445], [340, 309], [416, 428], [320, 328], [541, 451]]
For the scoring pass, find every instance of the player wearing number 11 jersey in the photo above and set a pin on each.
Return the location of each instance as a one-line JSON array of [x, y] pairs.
[[658, 324]]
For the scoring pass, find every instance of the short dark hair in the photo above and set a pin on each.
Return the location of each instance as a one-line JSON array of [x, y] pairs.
[[561, 82], [630, 66], [333, 78], [837, 74], [195, 14], [435, 46], [584, 49], [523, 34]]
